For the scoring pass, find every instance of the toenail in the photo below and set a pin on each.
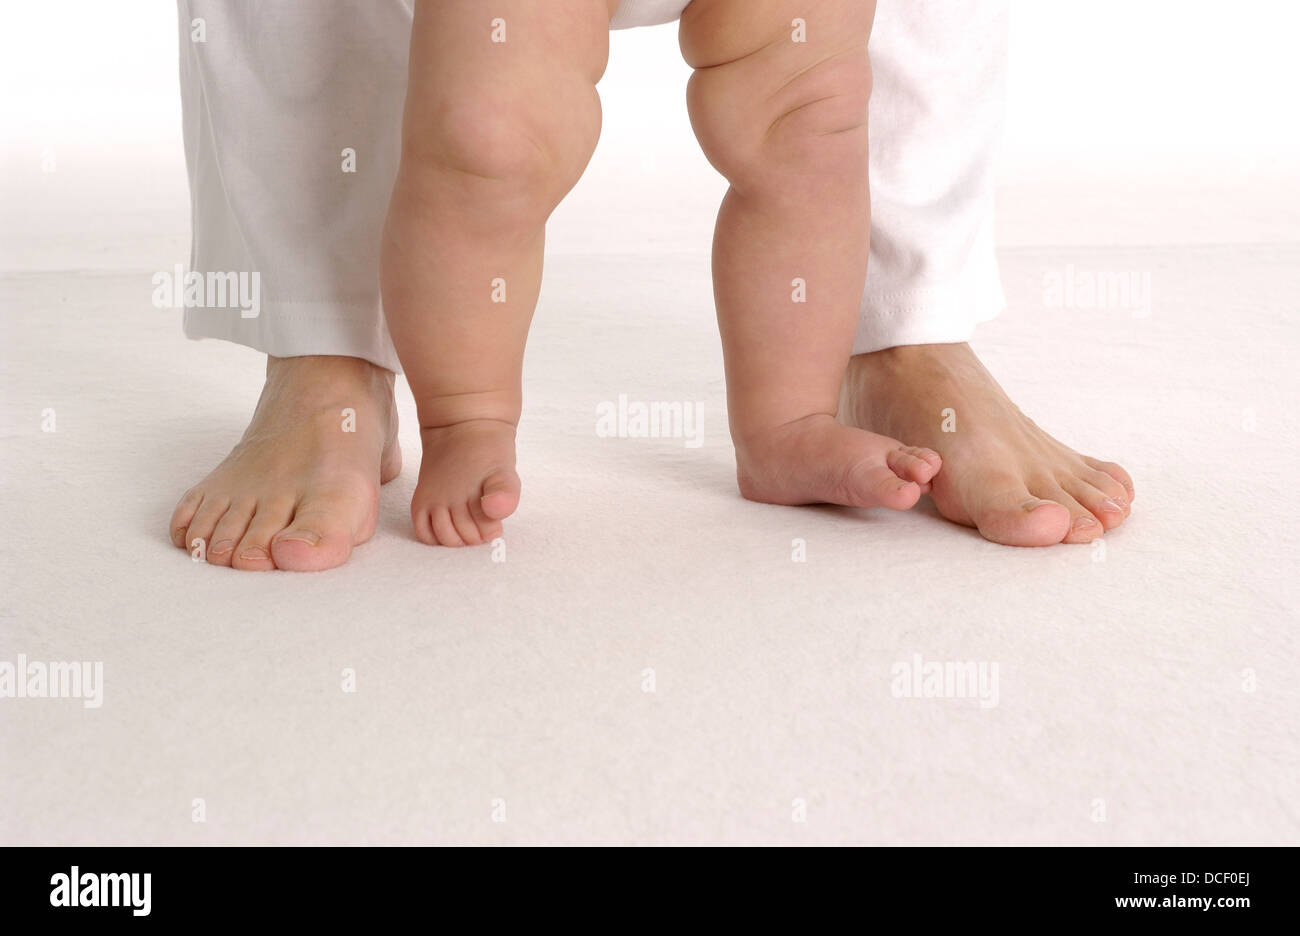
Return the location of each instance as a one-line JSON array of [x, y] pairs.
[[220, 549], [1109, 504], [1082, 523], [254, 552], [302, 536]]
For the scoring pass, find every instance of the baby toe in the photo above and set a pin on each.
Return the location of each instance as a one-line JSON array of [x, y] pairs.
[[444, 530], [914, 464], [500, 494], [465, 526], [873, 484]]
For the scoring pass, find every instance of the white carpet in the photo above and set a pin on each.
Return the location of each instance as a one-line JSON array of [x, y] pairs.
[[517, 690]]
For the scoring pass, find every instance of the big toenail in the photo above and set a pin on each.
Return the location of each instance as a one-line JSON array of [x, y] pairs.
[[254, 552], [1109, 504], [1081, 523], [302, 536], [220, 549]]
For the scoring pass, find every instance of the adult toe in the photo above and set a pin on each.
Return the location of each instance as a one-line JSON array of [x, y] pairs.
[[1114, 471], [320, 536], [229, 531], [1105, 501], [183, 515], [1084, 526], [199, 532], [253, 553], [1008, 513]]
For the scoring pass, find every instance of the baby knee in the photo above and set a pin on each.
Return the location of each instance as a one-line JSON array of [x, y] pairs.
[[526, 152], [815, 125]]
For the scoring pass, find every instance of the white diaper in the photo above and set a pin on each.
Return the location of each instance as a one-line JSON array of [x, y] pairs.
[[647, 13]]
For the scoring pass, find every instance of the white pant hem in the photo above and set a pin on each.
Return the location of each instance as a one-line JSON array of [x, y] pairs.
[[943, 314], [300, 329]]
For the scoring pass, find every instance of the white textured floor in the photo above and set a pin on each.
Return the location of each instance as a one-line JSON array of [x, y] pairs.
[[1151, 686]]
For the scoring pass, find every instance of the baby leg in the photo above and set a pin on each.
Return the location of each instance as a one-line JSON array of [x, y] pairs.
[[779, 103], [502, 116]]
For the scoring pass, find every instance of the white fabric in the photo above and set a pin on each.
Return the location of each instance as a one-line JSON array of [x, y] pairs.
[[936, 119], [647, 12], [275, 93], [271, 98]]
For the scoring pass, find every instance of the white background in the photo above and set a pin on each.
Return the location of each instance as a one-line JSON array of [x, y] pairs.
[[1115, 107], [1191, 85]]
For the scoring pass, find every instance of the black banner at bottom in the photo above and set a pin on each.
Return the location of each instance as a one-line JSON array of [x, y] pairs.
[[147, 886]]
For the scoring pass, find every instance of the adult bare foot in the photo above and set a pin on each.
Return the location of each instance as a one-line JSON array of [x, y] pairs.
[[302, 486], [1001, 473]]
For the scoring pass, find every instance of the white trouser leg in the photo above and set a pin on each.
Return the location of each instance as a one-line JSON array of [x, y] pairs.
[[272, 98], [936, 118]]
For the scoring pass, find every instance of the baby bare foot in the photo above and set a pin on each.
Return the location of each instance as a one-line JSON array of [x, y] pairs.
[[468, 483], [494, 136], [1001, 474], [301, 488], [816, 460]]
